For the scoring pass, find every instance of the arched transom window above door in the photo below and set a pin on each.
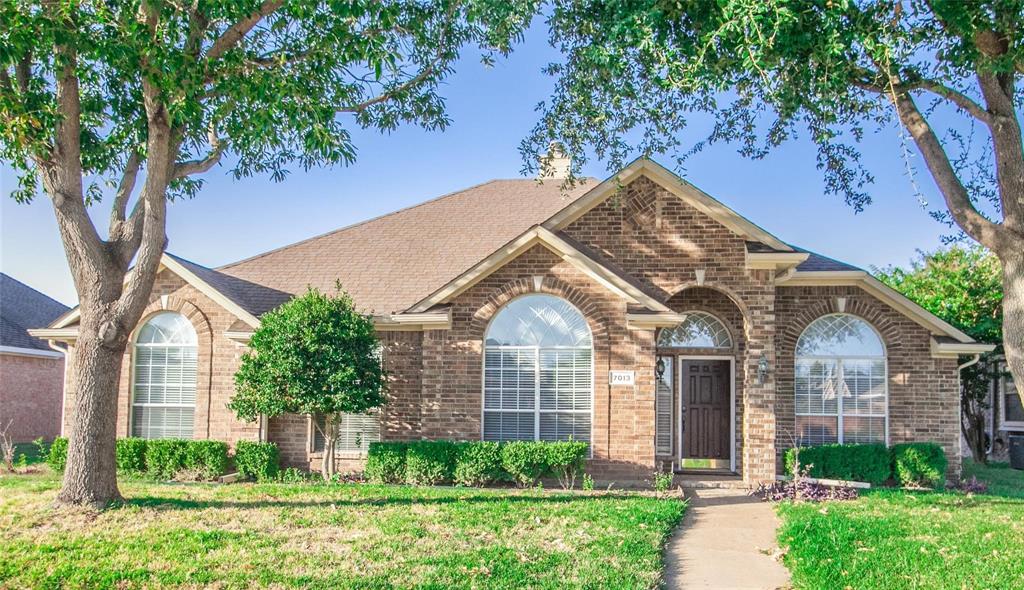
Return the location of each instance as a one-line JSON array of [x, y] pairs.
[[840, 387], [699, 330], [538, 372]]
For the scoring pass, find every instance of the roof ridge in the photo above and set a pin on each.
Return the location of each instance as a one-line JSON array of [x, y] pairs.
[[31, 288], [230, 265]]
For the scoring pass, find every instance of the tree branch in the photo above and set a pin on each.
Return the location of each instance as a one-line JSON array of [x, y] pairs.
[[956, 97], [957, 199], [125, 188], [385, 96], [190, 167], [239, 30]]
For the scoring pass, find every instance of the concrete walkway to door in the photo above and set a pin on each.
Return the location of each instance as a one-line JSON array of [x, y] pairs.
[[726, 541]]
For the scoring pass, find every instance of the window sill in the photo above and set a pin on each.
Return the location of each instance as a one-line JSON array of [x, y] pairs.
[[339, 455]]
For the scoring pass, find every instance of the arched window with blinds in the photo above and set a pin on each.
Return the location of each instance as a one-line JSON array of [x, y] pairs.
[[538, 372], [840, 386], [164, 378]]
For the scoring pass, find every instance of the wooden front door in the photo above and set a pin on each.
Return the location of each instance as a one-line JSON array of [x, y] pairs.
[[704, 389]]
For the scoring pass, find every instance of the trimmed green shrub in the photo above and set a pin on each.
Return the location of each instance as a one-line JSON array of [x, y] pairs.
[[57, 458], [257, 460], [208, 458], [385, 462], [871, 462], [430, 462], [165, 457], [478, 464], [525, 461], [565, 460], [131, 455], [919, 464]]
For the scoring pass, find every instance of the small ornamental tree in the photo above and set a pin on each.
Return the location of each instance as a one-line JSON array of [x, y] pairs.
[[315, 355], [131, 102]]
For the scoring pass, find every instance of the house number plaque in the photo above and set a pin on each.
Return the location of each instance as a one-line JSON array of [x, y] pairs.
[[622, 378]]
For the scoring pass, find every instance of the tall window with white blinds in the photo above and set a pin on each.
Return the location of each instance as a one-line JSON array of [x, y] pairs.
[[538, 372], [164, 378], [840, 386], [355, 433]]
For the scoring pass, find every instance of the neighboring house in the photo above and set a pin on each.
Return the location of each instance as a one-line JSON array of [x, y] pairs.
[[637, 313], [1004, 416], [31, 373]]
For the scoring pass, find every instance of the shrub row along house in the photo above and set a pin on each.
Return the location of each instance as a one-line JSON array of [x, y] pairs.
[[638, 314]]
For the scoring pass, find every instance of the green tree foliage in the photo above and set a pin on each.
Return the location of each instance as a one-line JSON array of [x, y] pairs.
[[764, 71], [99, 96], [962, 285], [314, 355]]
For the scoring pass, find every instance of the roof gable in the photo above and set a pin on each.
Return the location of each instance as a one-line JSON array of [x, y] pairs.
[[677, 186], [612, 279]]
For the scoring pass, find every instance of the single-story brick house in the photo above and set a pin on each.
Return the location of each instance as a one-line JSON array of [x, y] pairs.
[[31, 372], [637, 313]]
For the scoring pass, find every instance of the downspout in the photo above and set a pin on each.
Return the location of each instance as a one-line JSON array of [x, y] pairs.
[[960, 391]]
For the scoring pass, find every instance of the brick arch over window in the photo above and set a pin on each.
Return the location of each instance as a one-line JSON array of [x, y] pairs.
[[678, 297], [204, 373], [870, 312], [548, 286]]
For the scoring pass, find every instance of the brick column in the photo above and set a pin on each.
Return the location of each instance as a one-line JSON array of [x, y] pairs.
[[759, 394]]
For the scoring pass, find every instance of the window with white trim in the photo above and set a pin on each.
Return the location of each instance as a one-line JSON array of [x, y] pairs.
[[1011, 410], [164, 378], [699, 330], [840, 387], [355, 433], [538, 372]]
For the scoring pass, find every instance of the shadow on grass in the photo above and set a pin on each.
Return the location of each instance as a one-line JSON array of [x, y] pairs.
[[170, 503]]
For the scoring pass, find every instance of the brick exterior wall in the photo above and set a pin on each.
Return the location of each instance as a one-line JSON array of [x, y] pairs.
[[663, 241], [218, 359], [924, 403], [30, 392], [436, 375]]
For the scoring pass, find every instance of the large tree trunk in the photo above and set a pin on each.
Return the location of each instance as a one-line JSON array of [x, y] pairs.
[[90, 477], [1013, 312]]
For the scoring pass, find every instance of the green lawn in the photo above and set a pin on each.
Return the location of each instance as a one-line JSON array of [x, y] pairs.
[[916, 540], [1002, 481], [339, 536]]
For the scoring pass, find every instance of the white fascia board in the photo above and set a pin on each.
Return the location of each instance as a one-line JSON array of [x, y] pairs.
[[21, 351], [775, 260], [57, 334], [397, 322], [649, 321], [956, 349]]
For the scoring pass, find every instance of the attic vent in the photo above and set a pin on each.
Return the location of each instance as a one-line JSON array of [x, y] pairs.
[[555, 164]]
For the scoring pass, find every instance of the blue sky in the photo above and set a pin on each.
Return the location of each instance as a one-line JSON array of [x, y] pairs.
[[492, 110]]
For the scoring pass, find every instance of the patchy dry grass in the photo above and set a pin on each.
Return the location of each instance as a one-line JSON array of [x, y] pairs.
[[340, 536]]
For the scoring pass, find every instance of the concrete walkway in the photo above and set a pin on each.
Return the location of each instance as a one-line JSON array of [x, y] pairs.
[[726, 541]]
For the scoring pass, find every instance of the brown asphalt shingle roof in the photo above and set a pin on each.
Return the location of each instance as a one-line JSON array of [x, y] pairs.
[[391, 262]]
